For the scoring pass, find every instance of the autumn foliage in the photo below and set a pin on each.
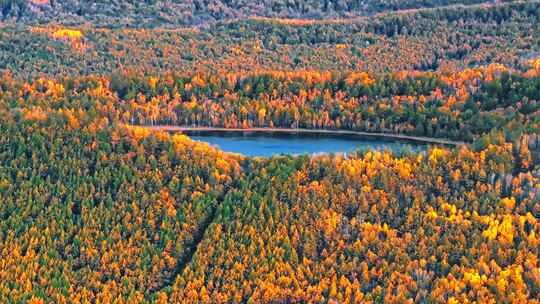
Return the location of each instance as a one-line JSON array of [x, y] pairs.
[[98, 208]]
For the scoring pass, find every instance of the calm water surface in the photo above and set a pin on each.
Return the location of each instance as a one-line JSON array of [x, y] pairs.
[[269, 144]]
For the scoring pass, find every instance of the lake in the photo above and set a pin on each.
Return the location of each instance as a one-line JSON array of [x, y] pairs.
[[265, 144]]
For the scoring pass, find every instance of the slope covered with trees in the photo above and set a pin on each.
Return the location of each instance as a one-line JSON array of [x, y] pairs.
[[95, 212], [462, 105], [96, 208], [444, 39], [372, 228], [196, 12]]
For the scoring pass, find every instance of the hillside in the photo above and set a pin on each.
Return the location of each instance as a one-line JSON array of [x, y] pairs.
[[446, 39], [150, 13], [95, 210], [99, 204]]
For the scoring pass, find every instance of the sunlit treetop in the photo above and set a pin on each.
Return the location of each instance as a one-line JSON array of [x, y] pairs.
[[68, 33]]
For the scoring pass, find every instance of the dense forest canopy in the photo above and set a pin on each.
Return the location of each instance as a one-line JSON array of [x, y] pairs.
[[445, 39], [97, 208], [149, 13]]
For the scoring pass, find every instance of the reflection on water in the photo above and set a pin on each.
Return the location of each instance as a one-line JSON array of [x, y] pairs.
[[268, 144]]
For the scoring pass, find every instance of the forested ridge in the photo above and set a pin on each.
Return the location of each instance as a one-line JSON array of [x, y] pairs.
[[150, 13], [97, 208], [444, 39]]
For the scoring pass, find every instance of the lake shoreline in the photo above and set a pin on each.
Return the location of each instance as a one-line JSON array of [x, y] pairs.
[[410, 138]]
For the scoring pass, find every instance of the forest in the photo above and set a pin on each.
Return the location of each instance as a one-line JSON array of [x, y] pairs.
[[447, 39], [171, 13], [98, 208]]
